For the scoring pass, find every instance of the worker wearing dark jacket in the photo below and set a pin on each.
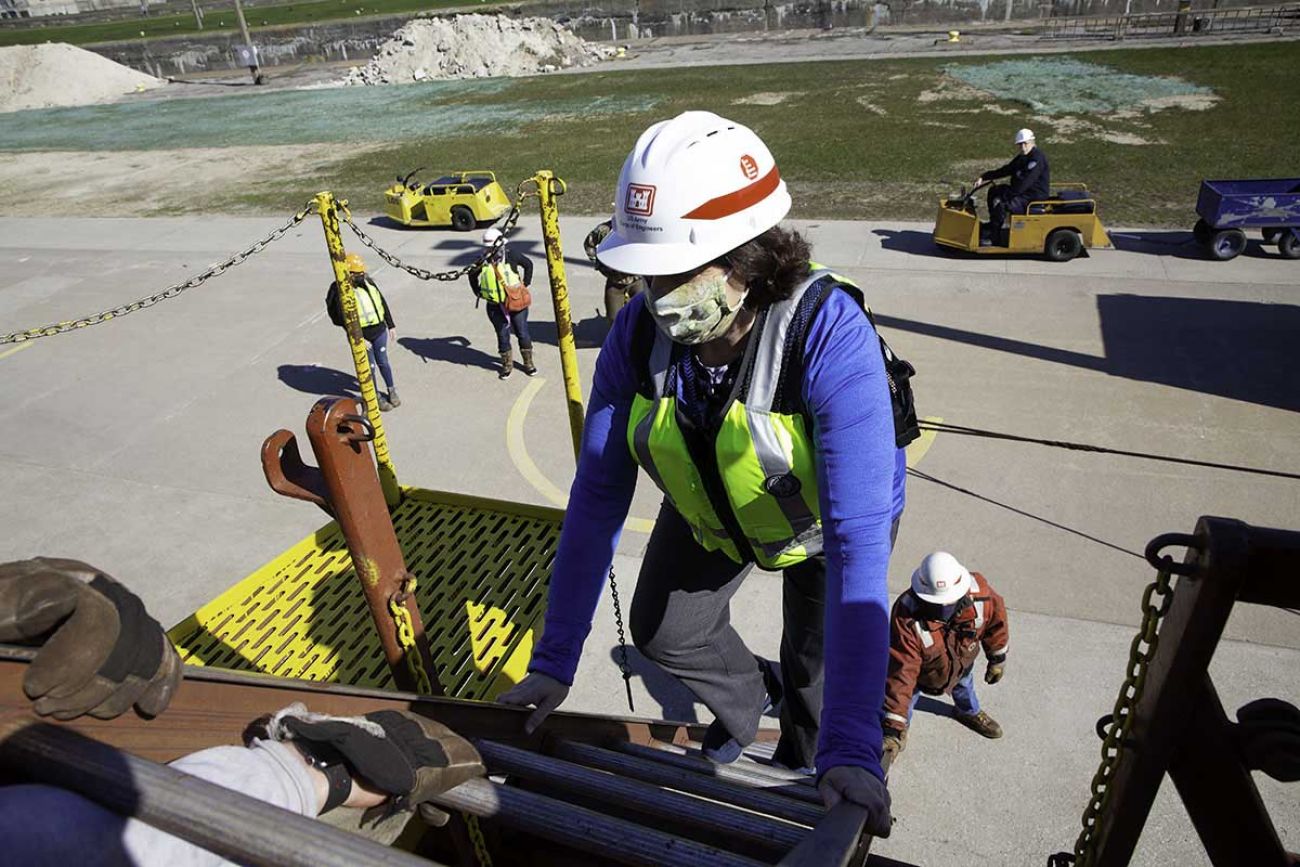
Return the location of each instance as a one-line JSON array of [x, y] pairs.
[[375, 318], [504, 268], [1031, 181], [936, 631]]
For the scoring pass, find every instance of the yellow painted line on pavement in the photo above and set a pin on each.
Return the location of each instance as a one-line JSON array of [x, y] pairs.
[[19, 348], [518, 449], [917, 448]]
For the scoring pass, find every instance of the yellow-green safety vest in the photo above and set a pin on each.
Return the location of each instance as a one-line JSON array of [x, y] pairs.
[[766, 459], [370, 303], [493, 279]]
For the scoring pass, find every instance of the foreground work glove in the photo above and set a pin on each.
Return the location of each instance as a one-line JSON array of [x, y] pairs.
[[408, 757], [1268, 737], [536, 690], [891, 745], [851, 783], [994, 672], [101, 652]]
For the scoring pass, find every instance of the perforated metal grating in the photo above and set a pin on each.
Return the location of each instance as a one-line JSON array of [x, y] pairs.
[[483, 568]]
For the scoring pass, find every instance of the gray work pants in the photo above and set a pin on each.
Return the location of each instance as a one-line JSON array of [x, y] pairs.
[[681, 619]]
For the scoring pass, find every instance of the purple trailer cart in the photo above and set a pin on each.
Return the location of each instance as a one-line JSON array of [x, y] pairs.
[[1228, 208]]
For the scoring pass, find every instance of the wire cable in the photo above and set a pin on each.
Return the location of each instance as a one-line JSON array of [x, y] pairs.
[[950, 486], [944, 427]]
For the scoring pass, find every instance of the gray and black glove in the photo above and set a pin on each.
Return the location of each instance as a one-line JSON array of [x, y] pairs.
[[409, 757], [101, 652]]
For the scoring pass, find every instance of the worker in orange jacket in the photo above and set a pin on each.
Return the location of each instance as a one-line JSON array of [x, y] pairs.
[[936, 631]]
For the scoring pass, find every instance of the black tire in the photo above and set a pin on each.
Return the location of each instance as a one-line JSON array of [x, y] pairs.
[[1271, 235], [1202, 231], [1226, 244], [1288, 244], [1063, 245], [462, 219]]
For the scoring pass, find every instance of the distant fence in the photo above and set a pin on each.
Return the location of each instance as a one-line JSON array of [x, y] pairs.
[[1187, 22]]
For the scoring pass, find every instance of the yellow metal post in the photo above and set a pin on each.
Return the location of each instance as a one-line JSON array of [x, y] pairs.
[[329, 217], [549, 186]]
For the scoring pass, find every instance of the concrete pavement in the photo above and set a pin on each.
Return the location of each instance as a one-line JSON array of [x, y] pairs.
[[133, 445]]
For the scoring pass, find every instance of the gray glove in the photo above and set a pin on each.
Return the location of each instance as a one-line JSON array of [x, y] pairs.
[[100, 652], [536, 690]]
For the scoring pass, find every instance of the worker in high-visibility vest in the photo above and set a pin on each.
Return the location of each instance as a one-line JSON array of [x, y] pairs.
[[753, 391], [375, 318], [502, 280]]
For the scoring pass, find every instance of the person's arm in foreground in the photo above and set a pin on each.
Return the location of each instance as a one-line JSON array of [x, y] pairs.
[[598, 504], [847, 392]]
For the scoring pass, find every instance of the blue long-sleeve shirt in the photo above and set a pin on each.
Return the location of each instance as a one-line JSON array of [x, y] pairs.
[[860, 476]]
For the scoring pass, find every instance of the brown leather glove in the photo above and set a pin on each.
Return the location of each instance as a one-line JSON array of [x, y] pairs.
[[100, 652], [891, 745], [407, 756], [994, 672]]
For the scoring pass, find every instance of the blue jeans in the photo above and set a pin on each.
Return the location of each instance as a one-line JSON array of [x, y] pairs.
[[377, 337], [963, 696], [505, 322]]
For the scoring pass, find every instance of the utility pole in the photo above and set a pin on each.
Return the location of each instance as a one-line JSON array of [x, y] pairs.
[[251, 53], [198, 13]]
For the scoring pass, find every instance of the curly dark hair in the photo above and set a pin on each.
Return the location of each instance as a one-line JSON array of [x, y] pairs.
[[771, 265]]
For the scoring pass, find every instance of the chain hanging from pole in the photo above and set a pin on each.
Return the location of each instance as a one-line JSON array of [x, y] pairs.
[[622, 642], [169, 292], [1117, 725]]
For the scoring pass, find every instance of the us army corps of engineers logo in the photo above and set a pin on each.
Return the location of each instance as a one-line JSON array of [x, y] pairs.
[[640, 200]]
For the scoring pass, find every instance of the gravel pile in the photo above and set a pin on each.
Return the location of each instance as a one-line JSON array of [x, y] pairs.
[[476, 46], [55, 74]]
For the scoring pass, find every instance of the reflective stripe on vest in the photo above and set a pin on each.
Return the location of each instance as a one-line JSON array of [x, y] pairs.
[[979, 615], [766, 459], [370, 305], [493, 279]]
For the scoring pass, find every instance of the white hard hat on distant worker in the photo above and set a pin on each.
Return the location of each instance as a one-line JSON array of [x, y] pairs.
[[940, 579], [491, 236], [693, 188], [1024, 135]]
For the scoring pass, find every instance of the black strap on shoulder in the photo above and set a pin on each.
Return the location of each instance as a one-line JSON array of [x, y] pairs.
[[643, 342]]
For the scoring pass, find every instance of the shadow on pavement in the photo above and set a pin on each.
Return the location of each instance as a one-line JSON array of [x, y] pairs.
[[315, 380], [588, 334], [1182, 245], [675, 700], [926, 704], [913, 242], [1241, 350], [455, 349]]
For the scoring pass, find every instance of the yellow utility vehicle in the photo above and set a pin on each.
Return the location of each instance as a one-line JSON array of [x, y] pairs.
[[1057, 228], [462, 200]]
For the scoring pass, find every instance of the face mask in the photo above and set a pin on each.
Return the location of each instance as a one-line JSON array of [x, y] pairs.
[[696, 311]]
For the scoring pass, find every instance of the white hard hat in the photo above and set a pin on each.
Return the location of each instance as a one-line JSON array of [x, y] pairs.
[[491, 236], [1024, 135], [940, 579], [693, 188]]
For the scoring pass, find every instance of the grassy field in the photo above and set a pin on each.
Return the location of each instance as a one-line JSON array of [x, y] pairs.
[[855, 140], [270, 15], [881, 139]]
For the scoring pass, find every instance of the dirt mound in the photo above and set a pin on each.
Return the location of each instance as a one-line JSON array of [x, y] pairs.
[[476, 46], [55, 74]]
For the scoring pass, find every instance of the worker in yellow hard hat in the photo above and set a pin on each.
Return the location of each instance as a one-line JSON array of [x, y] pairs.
[[376, 320]]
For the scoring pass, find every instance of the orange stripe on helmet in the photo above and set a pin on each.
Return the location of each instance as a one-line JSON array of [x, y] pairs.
[[733, 203]]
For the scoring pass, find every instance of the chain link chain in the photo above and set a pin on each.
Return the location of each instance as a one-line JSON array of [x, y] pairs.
[[622, 641], [446, 276], [476, 837], [169, 292], [1156, 600], [406, 636]]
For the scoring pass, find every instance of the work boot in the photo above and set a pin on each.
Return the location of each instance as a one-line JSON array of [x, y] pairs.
[[507, 364], [393, 398], [719, 746], [384, 405], [980, 723], [529, 369]]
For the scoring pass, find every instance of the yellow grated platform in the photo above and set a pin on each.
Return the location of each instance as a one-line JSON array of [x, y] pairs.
[[483, 568]]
